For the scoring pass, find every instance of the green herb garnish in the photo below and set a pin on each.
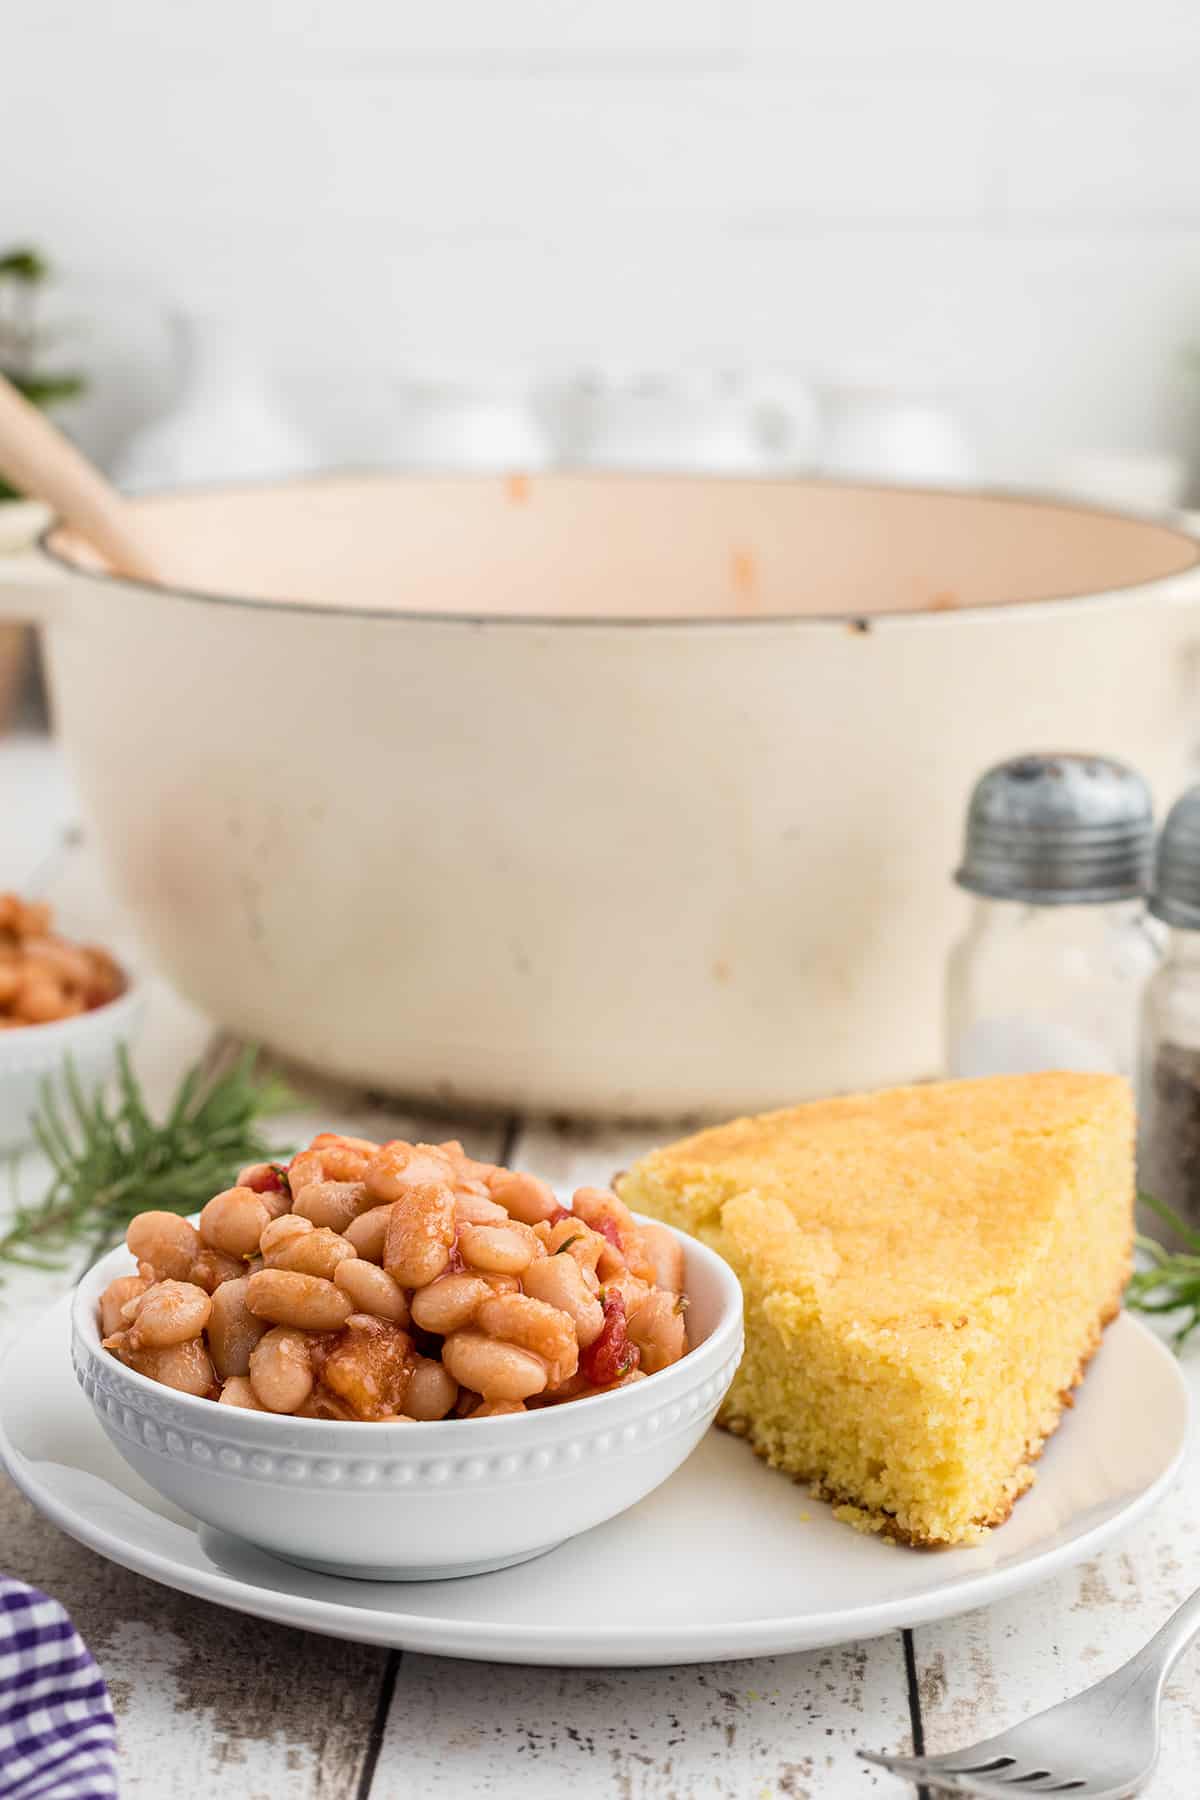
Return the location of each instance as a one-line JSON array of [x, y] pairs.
[[567, 1242], [112, 1160], [1172, 1282]]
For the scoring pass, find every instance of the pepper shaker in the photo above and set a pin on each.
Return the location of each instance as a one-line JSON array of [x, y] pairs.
[[1050, 971], [1169, 1080]]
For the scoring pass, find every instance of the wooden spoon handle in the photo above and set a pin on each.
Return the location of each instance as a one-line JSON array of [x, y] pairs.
[[42, 464]]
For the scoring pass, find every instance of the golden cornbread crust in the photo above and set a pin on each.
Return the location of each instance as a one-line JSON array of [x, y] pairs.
[[927, 1273], [845, 1506]]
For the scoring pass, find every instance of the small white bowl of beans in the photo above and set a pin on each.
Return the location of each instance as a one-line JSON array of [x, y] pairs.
[[394, 1362], [58, 1000]]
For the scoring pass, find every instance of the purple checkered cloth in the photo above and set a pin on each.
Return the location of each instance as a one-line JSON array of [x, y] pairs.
[[58, 1737]]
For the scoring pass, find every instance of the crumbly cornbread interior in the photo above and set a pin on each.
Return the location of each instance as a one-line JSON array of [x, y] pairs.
[[927, 1272]]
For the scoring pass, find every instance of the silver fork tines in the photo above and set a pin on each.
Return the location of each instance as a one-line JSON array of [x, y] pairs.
[[1101, 1745]]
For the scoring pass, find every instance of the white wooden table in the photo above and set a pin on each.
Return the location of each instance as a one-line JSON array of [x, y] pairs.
[[210, 1702]]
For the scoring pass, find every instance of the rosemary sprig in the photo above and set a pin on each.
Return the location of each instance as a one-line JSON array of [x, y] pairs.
[[1172, 1281], [112, 1160]]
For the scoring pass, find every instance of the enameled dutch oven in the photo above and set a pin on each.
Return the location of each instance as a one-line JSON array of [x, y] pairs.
[[621, 795]]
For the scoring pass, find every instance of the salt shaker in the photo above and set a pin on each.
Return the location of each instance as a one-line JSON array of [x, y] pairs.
[[1169, 1078], [1050, 971]]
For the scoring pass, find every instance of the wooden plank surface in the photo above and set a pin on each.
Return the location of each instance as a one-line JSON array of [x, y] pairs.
[[992, 1668], [783, 1726]]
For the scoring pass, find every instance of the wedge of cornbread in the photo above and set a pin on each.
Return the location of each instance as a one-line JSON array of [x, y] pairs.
[[926, 1272]]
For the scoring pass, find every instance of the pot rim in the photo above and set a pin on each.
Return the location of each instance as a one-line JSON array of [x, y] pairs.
[[863, 621]]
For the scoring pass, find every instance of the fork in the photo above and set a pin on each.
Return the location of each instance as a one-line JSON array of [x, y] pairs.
[[1100, 1745]]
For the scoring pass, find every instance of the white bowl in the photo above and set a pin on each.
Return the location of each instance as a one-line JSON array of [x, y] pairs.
[[29, 1054], [416, 1502]]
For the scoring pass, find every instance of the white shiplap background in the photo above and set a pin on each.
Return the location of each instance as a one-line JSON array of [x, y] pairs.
[[999, 201]]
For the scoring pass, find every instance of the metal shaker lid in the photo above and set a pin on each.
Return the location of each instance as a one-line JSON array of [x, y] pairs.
[[1175, 890], [1057, 830]]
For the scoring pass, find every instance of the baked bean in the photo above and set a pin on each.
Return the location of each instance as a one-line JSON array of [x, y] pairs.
[[659, 1330], [24, 918], [305, 1167], [666, 1253], [343, 1158], [326, 1139], [535, 1326], [371, 1290], [495, 1409], [631, 1290], [477, 1209], [330, 1203], [420, 1234], [575, 1239], [106, 980], [330, 1158], [368, 1231], [397, 1168], [496, 1370], [524, 1197], [170, 1312], [315, 1253], [212, 1268], [466, 1168], [281, 1234], [264, 1178], [558, 1280], [431, 1390], [614, 1221], [234, 1221], [40, 999], [185, 1367], [269, 1181], [165, 1241], [449, 1303], [506, 1249], [66, 963], [233, 1330], [305, 1302], [503, 1284], [115, 1296], [239, 1391], [281, 1373]]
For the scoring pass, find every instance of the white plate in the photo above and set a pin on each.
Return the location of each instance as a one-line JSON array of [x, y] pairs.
[[725, 1560]]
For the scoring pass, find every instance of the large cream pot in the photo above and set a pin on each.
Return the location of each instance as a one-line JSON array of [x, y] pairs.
[[614, 795]]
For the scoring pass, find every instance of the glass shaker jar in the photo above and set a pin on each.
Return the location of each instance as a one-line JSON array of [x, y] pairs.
[[1050, 971], [1169, 1081]]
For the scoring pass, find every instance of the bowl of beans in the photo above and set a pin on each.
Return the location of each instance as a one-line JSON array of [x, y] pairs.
[[395, 1362], [58, 999]]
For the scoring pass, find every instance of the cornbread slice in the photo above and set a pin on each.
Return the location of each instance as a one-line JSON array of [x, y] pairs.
[[926, 1272]]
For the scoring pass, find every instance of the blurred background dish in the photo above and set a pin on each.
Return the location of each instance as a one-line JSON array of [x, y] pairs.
[[221, 419]]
